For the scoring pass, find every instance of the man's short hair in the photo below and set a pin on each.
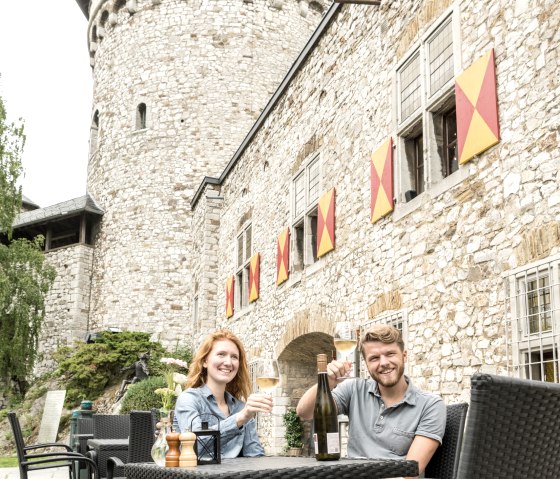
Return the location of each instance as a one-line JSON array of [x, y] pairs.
[[383, 333]]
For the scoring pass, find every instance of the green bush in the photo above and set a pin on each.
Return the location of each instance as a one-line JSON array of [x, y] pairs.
[[88, 369], [294, 429], [141, 396]]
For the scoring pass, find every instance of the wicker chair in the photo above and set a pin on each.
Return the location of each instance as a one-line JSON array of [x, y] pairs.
[[512, 430], [445, 462], [142, 436], [107, 427], [47, 460], [111, 426], [84, 431]]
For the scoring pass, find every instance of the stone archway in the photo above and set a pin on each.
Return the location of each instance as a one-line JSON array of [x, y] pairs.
[[297, 350]]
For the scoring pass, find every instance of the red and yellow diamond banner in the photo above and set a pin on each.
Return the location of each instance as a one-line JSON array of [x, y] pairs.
[[283, 257], [382, 181], [325, 224], [477, 108], [254, 273], [229, 296]]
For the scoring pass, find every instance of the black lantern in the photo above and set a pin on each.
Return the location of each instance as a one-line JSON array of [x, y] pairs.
[[207, 444]]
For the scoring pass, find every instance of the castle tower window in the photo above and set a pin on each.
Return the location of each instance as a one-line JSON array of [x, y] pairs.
[[93, 133], [141, 114]]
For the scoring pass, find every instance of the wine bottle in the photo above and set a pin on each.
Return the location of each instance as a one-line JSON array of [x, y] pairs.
[[325, 417]]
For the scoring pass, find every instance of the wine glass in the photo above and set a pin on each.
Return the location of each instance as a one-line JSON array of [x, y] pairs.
[[267, 375], [345, 342]]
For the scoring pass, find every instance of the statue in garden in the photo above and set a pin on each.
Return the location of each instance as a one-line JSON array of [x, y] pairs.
[[141, 372]]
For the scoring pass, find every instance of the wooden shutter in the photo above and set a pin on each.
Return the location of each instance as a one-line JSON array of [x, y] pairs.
[[229, 296], [477, 108], [254, 273], [283, 257], [325, 223], [382, 181]]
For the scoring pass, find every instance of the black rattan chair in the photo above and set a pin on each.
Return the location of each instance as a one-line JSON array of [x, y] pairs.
[[512, 429], [445, 462], [111, 426], [84, 431], [46, 460], [110, 429], [142, 436]]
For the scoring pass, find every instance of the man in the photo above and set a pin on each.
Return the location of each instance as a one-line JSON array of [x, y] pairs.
[[388, 416]]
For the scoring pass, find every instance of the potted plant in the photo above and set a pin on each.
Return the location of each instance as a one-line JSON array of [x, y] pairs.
[[294, 432]]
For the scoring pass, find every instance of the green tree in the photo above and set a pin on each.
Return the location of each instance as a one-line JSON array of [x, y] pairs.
[[25, 278], [12, 141]]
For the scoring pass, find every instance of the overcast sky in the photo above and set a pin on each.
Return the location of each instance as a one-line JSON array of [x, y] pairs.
[[45, 78]]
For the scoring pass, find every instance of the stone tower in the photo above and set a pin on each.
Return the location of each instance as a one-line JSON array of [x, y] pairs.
[[177, 86]]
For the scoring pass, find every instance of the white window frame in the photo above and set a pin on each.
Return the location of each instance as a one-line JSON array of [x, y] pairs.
[[303, 242], [243, 265], [530, 352], [397, 318], [432, 106]]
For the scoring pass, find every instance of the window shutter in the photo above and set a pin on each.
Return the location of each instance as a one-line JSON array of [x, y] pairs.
[[382, 202], [229, 296], [325, 223], [283, 257], [477, 108], [254, 273]]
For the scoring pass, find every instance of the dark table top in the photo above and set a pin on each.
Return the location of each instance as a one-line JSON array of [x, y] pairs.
[[115, 444], [277, 467]]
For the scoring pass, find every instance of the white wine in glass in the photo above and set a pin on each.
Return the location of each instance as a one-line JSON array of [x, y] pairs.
[[345, 341], [268, 377]]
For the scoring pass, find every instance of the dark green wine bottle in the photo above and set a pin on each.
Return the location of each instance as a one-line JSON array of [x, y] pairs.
[[325, 417]]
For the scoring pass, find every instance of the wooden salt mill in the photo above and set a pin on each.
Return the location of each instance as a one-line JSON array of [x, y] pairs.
[[172, 456], [188, 457]]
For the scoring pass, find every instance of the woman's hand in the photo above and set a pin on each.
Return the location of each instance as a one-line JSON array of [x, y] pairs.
[[255, 403]]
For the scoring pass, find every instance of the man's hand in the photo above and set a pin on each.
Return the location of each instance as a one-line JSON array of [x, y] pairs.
[[336, 370]]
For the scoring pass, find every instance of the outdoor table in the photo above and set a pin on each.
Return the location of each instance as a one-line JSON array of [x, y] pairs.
[[106, 448], [277, 467]]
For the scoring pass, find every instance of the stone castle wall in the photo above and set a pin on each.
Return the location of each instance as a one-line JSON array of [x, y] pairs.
[[67, 310], [204, 70], [443, 255]]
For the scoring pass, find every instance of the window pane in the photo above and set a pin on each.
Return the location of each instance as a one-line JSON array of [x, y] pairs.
[[313, 227], [440, 48], [239, 251], [248, 242], [538, 305], [313, 181], [451, 164], [410, 87], [299, 194]]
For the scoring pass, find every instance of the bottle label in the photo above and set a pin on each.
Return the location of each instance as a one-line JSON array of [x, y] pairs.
[[333, 443]]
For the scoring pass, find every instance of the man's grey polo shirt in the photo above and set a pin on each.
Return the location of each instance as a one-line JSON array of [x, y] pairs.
[[379, 432]]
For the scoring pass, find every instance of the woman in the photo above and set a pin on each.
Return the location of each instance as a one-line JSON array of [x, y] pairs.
[[218, 382]]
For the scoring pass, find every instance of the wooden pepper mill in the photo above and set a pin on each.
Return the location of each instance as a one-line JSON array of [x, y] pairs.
[[172, 456], [188, 456]]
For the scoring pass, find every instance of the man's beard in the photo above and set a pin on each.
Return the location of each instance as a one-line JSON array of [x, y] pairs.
[[392, 379]]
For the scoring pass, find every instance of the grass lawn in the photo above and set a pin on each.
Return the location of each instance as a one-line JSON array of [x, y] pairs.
[[8, 461]]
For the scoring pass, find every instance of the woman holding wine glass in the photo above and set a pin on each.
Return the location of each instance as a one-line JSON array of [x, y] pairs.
[[218, 383]]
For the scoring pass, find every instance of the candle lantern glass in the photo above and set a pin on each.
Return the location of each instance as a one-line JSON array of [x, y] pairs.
[[207, 444]]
